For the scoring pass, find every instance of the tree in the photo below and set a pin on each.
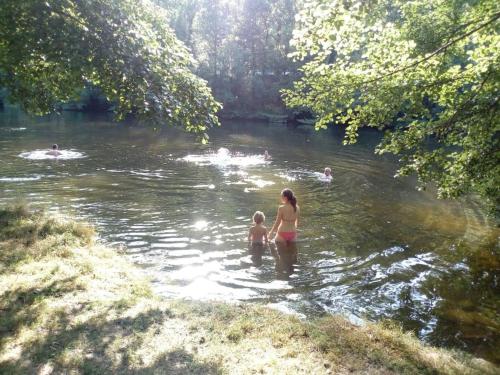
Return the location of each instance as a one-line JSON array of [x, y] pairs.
[[213, 30], [181, 16], [241, 47], [50, 50], [427, 72]]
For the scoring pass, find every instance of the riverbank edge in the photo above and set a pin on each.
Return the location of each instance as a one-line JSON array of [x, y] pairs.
[[71, 305]]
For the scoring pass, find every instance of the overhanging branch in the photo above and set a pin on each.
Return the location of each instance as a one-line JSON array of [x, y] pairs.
[[443, 48]]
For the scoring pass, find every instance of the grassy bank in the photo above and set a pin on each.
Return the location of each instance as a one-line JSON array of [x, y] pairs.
[[69, 305]]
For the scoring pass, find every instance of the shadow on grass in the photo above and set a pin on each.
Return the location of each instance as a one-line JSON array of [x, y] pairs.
[[98, 346], [25, 234], [92, 338], [18, 307]]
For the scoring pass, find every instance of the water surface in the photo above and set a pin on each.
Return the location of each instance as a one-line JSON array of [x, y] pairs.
[[370, 246]]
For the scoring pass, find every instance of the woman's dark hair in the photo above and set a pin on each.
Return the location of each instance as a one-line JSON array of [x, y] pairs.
[[288, 194], [55, 146]]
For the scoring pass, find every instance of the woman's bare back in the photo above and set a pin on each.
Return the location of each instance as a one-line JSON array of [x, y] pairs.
[[289, 218]]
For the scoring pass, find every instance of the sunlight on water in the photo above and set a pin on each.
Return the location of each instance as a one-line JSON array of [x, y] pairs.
[[259, 182], [43, 155], [19, 179], [370, 247], [223, 158], [206, 289], [287, 177], [200, 225], [13, 129]]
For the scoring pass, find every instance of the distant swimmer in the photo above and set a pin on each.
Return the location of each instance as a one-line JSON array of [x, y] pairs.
[[223, 154], [267, 156], [54, 151], [223, 151], [328, 173]]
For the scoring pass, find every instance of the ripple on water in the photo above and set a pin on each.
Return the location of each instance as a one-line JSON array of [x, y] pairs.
[[44, 155], [20, 179], [207, 289], [20, 129], [225, 160], [380, 284]]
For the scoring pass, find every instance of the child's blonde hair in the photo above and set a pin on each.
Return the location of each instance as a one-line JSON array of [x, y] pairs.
[[259, 217]]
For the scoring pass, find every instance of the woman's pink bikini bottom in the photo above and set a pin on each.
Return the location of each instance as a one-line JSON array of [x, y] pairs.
[[288, 236]]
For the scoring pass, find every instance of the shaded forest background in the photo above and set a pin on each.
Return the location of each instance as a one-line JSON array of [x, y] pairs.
[[241, 49]]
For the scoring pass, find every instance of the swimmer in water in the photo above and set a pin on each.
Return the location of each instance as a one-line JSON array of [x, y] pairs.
[[287, 218], [267, 156], [258, 232], [54, 151], [223, 154], [328, 173]]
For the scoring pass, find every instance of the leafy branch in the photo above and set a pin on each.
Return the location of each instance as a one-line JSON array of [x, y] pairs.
[[441, 49]]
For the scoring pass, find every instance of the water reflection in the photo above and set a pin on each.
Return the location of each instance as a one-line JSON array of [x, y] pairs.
[[256, 250], [371, 247], [285, 256]]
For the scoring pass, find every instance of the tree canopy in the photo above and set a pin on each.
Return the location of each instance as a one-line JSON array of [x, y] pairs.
[[242, 48], [427, 72], [50, 50]]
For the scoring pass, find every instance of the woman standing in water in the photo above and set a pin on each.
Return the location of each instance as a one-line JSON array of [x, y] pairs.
[[287, 218]]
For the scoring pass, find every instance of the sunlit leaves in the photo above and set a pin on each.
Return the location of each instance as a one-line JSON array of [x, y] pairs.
[[427, 72], [50, 50]]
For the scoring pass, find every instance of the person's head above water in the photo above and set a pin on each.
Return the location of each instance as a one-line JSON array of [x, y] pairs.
[[55, 147], [328, 171], [259, 217], [287, 196]]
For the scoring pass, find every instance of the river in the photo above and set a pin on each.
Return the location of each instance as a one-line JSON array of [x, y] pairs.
[[370, 246]]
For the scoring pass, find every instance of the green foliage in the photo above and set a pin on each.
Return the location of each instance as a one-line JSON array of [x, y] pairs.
[[50, 50], [241, 47], [426, 72]]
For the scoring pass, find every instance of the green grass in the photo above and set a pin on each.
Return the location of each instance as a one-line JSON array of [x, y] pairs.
[[69, 305]]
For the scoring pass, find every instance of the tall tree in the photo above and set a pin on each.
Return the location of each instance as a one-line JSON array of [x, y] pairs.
[[50, 49], [425, 71], [181, 15], [241, 47], [213, 29]]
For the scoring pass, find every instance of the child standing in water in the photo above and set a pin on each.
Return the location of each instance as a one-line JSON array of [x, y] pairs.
[[258, 232]]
